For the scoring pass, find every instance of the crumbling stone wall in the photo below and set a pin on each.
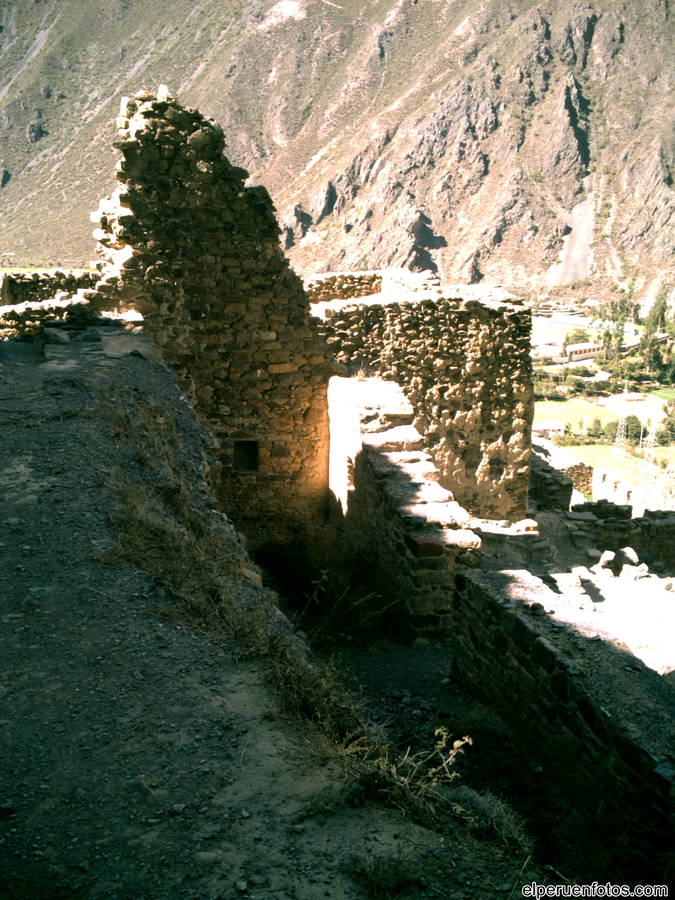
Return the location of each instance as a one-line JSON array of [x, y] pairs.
[[609, 526], [196, 251], [506, 650], [582, 477], [549, 487], [405, 537], [410, 560], [31, 287], [466, 368], [342, 285]]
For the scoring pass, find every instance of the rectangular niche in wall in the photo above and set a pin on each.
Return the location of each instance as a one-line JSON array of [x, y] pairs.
[[245, 456]]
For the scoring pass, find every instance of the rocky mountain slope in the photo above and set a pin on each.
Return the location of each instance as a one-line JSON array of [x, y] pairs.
[[527, 143]]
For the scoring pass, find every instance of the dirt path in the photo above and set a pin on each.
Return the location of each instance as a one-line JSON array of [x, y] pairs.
[[138, 760], [125, 737]]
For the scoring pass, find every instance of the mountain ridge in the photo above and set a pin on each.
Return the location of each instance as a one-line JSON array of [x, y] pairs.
[[518, 143]]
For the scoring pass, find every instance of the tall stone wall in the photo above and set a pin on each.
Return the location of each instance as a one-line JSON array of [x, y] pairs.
[[196, 251], [466, 368]]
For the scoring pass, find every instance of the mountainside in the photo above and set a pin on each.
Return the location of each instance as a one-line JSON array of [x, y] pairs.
[[527, 143]]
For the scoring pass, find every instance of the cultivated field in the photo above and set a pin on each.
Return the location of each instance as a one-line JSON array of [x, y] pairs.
[[556, 413]]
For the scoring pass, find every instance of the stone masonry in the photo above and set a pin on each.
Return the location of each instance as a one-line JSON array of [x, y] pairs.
[[32, 287], [405, 536], [465, 366], [509, 647], [196, 251], [329, 285]]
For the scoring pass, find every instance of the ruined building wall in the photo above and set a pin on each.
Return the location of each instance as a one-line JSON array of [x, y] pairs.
[[549, 487], [555, 698], [466, 368], [344, 285], [197, 253], [32, 287]]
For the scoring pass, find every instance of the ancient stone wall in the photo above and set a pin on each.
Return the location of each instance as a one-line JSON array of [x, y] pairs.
[[582, 477], [342, 285], [537, 676], [329, 286], [27, 319], [466, 368], [196, 251], [409, 560], [611, 527], [31, 287], [404, 537], [549, 488]]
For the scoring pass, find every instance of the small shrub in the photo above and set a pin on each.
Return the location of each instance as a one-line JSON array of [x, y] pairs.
[[487, 811], [386, 876]]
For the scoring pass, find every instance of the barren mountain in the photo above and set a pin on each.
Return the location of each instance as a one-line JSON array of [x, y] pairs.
[[527, 143]]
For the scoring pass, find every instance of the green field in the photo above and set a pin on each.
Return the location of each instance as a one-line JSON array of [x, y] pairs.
[[630, 468], [664, 394], [557, 413]]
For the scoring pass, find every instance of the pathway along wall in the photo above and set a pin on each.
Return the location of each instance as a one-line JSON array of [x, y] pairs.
[[197, 253], [465, 366]]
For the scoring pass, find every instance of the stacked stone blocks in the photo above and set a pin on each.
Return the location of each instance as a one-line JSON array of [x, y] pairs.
[[506, 648], [465, 366], [196, 251], [342, 285], [33, 287], [403, 529]]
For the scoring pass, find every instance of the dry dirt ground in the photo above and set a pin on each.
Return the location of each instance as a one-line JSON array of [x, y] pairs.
[[140, 759]]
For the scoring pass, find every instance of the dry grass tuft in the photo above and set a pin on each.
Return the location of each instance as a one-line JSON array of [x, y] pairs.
[[386, 876], [485, 811]]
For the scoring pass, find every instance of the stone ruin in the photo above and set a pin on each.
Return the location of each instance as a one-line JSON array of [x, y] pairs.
[[196, 251], [465, 367]]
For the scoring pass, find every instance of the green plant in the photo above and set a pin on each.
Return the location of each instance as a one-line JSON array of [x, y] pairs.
[[577, 336]]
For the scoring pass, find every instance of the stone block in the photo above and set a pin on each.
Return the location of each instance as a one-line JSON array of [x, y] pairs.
[[425, 544], [545, 654], [523, 634]]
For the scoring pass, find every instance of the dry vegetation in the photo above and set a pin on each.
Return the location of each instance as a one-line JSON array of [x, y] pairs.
[[163, 529]]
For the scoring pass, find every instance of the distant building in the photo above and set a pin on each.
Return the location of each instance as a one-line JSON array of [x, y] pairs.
[[585, 350]]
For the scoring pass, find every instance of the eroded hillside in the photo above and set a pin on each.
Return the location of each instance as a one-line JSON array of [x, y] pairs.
[[526, 143]]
